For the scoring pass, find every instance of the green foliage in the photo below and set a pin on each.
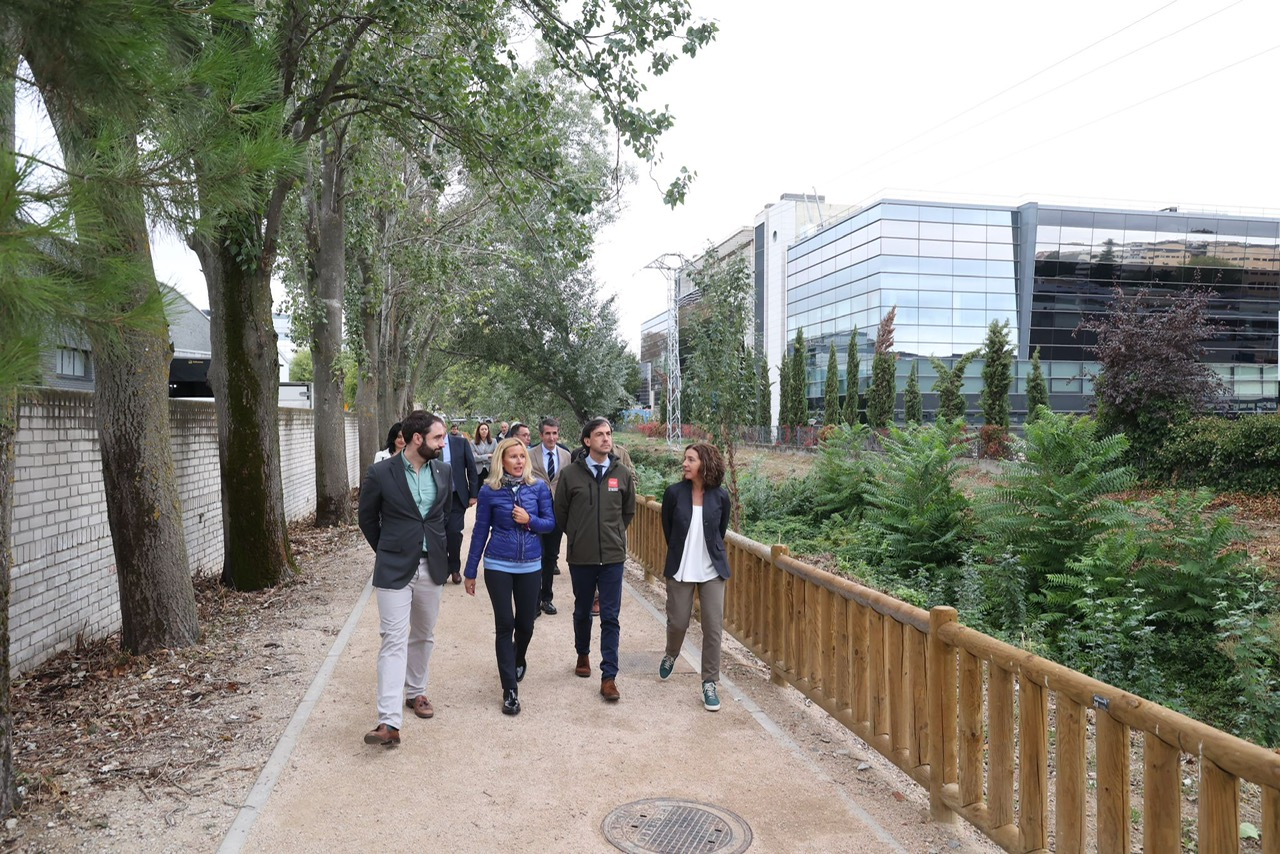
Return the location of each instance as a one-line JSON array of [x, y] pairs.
[[831, 413], [841, 472], [1037, 389], [301, 368], [1241, 455], [916, 515], [951, 403], [997, 375], [719, 382], [784, 391], [852, 394], [764, 394], [913, 403], [799, 382], [882, 396], [1055, 503], [767, 501]]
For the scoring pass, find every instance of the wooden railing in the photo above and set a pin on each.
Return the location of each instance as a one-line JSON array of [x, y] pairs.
[[967, 716]]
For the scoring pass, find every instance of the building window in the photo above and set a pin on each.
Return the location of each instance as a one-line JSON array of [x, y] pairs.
[[72, 363]]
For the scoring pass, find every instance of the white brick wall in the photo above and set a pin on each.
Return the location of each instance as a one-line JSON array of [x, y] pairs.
[[64, 574]]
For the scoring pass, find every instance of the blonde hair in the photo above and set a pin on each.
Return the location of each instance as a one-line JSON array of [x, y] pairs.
[[496, 471]]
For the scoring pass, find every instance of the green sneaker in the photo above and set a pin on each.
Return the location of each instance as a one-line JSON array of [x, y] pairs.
[[668, 664], [710, 700]]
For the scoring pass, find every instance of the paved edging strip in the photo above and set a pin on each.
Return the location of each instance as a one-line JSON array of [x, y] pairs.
[[694, 657], [238, 834]]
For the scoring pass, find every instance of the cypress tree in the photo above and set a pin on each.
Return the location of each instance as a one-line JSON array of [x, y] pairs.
[[883, 393], [799, 382], [997, 375], [851, 368], [831, 403], [784, 391], [1037, 390], [951, 403], [911, 399]]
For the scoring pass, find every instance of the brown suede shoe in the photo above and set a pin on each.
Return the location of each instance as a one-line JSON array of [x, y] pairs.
[[421, 706], [595, 607], [387, 736], [609, 690], [583, 668]]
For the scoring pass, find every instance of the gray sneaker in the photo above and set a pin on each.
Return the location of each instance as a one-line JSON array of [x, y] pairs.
[[668, 664], [710, 700]]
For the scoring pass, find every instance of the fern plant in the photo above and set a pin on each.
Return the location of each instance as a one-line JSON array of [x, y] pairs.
[[921, 519], [1053, 504]]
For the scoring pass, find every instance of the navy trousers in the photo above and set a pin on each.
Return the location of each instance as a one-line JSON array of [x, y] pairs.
[[588, 579]]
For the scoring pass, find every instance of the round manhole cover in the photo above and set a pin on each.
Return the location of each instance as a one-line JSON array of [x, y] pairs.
[[670, 826]]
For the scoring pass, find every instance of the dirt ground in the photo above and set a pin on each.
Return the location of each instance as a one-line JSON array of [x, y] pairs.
[[155, 753]]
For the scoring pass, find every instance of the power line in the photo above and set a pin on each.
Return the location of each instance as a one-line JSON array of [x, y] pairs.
[[1114, 113], [1006, 90], [1047, 92]]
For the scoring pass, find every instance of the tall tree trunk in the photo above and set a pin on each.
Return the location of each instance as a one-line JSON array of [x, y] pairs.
[[372, 431], [8, 432], [245, 376], [326, 245], [131, 373]]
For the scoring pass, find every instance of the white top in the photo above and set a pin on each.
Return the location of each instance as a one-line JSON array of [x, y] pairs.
[[384, 454], [695, 563]]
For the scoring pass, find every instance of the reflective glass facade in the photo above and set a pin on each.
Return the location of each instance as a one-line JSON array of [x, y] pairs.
[[953, 269]]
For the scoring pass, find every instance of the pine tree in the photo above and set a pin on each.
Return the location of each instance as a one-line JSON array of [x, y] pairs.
[[831, 402], [997, 375], [1037, 390], [851, 393], [784, 392], [800, 382], [911, 399], [883, 393]]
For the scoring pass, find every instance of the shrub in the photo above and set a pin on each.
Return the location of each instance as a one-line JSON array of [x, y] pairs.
[[1055, 503], [841, 472], [918, 517], [1241, 455]]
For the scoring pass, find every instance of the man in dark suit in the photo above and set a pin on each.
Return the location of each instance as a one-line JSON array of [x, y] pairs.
[[546, 461], [465, 481], [404, 502]]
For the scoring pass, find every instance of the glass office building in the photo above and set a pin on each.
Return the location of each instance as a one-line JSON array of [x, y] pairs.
[[953, 269]]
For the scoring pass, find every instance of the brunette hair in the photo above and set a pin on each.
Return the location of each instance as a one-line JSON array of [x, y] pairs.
[[418, 421], [496, 471], [590, 427], [485, 425], [391, 438], [712, 463]]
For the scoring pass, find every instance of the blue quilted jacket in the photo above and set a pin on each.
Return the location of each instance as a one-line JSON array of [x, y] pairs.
[[498, 536]]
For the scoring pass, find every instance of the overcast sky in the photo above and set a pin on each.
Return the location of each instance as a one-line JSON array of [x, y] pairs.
[[1124, 103]]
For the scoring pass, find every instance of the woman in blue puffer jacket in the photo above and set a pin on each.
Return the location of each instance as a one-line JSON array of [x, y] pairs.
[[513, 511]]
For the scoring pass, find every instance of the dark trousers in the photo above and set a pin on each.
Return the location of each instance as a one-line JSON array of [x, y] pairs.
[[512, 631], [607, 580], [550, 557], [453, 532]]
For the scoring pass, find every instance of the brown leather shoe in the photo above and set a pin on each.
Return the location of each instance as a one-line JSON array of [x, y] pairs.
[[609, 690], [595, 607], [583, 668], [387, 736], [421, 706], [456, 578]]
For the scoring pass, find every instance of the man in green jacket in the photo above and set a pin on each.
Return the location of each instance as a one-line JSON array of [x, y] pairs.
[[594, 503]]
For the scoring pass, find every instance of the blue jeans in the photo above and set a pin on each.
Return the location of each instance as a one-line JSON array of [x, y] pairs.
[[607, 579]]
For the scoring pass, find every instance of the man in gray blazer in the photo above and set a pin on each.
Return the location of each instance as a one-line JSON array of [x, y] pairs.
[[404, 502], [546, 461]]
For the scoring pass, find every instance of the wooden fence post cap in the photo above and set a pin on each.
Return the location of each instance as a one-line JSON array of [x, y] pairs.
[[777, 550]]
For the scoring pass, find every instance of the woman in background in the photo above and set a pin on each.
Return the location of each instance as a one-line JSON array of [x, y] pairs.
[[483, 447], [395, 444], [695, 516], [513, 511]]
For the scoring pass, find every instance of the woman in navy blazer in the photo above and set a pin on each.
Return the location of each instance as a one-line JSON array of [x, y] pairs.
[[695, 516], [513, 511]]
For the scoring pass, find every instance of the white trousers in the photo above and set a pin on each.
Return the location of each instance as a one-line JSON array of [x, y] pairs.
[[407, 624]]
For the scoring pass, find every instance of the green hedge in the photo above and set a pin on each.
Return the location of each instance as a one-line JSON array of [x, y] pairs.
[[1241, 455]]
